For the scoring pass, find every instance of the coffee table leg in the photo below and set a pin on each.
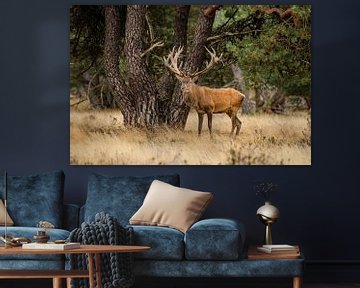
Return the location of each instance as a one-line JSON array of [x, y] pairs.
[[98, 270], [68, 282], [57, 283], [91, 270], [297, 282]]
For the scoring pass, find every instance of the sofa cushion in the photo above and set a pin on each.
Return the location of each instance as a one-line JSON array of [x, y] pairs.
[[214, 239], [9, 221], [214, 269], [121, 197], [29, 232], [169, 206], [165, 243], [35, 198]]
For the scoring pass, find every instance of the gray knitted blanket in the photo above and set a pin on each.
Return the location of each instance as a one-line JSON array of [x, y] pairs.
[[116, 268]]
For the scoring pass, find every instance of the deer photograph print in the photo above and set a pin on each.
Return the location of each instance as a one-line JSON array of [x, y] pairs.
[[190, 85]]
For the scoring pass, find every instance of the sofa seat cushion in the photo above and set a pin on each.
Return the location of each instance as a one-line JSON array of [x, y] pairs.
[[166, 243], [29, 232], [214, 239], [119, 196], [39, 264]]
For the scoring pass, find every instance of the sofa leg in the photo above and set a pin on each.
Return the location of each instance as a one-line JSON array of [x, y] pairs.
[[57, 283], [297, 282]]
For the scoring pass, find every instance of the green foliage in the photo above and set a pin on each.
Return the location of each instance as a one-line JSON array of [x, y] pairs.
[[280, 55], [271, 50], [161, 20], [86, 40]]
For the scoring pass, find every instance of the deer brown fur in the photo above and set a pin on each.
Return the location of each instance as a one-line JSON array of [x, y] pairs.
[[206, 100], [210, 101]]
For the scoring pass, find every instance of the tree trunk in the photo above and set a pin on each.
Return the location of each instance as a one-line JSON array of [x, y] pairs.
[[179, 111], [167, 82], [111, 64], [180, 26], [142, 85], [140, 102]]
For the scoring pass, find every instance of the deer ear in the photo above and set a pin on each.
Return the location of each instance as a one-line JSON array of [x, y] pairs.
[[195, 79]]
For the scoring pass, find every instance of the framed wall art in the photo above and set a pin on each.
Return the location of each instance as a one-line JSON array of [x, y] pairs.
[[190, 85]]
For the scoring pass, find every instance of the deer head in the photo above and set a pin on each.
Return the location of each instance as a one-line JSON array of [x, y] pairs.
[[187, 78]]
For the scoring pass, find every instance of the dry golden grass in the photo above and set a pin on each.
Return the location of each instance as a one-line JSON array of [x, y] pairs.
[[99, 138]]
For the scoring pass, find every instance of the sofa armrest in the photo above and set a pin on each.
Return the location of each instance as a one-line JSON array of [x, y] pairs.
[[71, 216], [215, 239]]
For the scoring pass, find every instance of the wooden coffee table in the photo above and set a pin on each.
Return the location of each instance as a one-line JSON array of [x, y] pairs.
[[92, 251]]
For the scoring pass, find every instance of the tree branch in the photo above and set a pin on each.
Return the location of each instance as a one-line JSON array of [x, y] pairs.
[[152, 47], [285, 14], [151, 30], [77, 103], [210, 11], [219, 38], [230, 18]]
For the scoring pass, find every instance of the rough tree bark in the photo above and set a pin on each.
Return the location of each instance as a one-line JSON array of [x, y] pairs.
[[167, 82], [142, 86], [180, 26], [139, 100], [123, 98], [179, 111]]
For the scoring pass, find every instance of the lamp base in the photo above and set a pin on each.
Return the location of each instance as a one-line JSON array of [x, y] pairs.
[[268, 237]]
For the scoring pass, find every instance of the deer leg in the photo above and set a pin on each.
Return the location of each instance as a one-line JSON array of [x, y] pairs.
[[200, 122], [238, 125], [209, 116], [233, 122]]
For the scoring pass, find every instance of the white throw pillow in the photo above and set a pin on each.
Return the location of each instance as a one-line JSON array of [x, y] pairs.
[[9, 221], [170, 206]]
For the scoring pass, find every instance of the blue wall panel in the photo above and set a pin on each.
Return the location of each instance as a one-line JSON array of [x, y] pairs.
[[318, 203]]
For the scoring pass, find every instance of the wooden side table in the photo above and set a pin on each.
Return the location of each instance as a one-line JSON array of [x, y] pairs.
[[254, 254], [93, 251]]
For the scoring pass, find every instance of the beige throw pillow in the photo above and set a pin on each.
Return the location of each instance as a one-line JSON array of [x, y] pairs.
[[170, 206], [9, 221]]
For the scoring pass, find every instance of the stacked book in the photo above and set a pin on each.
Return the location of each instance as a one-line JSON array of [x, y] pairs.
[[273, 252], [279, 249]]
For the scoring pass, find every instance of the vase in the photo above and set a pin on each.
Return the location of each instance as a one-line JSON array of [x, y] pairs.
[[268, 214]]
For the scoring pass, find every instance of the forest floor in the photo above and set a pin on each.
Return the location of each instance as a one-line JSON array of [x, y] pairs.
[[97, 137]]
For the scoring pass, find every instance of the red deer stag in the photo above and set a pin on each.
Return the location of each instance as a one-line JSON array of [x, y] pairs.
[[203, 99]]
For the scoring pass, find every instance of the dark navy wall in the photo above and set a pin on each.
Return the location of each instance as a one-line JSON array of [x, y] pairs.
[[318, 203]]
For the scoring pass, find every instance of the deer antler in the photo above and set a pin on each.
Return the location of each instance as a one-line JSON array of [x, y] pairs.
[[214, 59], [171, 62]]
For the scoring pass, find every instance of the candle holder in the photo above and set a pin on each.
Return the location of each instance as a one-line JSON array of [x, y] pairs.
[[41, 237]]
